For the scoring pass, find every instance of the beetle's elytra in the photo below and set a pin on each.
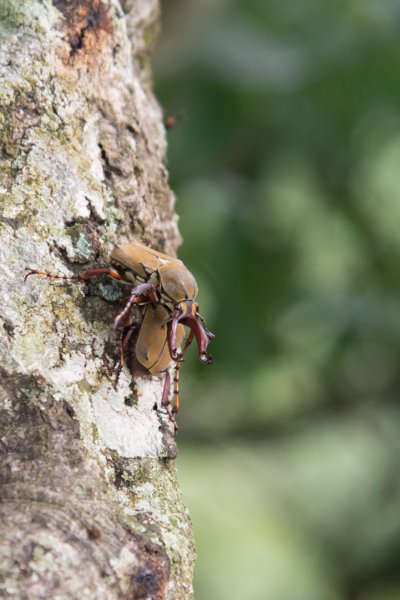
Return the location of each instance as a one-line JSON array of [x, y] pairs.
[[165, 290]]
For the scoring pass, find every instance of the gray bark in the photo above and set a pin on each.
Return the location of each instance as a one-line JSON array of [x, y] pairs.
[[90, 505]]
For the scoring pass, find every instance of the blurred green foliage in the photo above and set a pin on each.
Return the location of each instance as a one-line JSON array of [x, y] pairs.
[[286, 165]]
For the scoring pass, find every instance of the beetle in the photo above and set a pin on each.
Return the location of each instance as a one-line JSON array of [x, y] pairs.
[[165, 290]]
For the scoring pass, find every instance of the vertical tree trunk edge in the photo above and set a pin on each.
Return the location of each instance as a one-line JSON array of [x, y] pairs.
[[89, 500]]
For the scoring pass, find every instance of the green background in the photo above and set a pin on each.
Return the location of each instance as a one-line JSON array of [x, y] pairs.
[[286, 165]]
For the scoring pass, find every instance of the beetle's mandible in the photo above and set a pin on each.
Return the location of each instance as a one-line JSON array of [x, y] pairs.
[[165, 290]]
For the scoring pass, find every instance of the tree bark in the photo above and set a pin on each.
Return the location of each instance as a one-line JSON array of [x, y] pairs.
[[90, 505]]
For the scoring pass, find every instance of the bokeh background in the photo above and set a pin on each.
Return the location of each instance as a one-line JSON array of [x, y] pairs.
[[286, 164]]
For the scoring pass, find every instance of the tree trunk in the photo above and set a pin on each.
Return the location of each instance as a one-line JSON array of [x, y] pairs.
[[90, 505]]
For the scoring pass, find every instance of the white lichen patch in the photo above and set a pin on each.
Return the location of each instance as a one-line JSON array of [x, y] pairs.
[[72, 371], [97, 205], [132, 431]]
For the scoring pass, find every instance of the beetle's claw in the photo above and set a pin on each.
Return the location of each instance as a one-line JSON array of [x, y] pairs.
[[170, 413], [30, 272], [172, 418], [206, 360], [118, 368], [117, 374], [175, 356]]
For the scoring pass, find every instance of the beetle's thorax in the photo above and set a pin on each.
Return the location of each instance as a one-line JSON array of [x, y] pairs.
[[138, 264], [176, 283]]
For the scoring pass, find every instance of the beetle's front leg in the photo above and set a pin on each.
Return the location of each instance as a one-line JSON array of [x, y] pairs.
[[83, 276]]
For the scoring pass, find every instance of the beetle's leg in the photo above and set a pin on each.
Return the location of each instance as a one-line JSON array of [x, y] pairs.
[[125, 312], [139, 295], [203, 336], [125, 339], [86, 275], [210, 335], [165, 403], [126, 334], [143, 293], [175, 408], [177, 371]]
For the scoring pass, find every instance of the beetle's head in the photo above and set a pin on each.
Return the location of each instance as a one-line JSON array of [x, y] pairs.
[[187, 313]]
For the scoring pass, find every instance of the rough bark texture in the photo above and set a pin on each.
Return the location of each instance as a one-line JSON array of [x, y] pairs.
[[90, 506]]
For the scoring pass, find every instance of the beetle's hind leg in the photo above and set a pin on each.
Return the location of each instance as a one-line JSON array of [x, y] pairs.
[[124, 330], [165, 401], [175, 407], [177, 371], [124, 339]]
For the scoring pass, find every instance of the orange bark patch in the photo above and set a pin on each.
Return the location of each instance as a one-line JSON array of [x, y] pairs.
[[87, 24]]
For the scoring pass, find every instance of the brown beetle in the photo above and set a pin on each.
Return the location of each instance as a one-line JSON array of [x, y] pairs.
[[166, 290]]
